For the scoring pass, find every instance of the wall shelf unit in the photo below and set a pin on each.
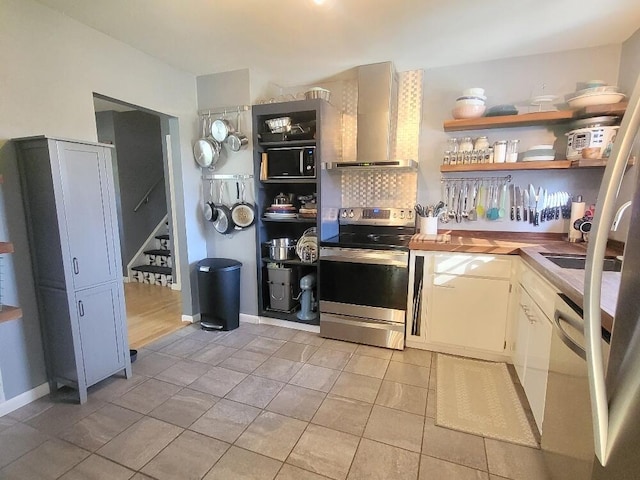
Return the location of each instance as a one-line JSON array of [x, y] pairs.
[[7, 312], [533, 119], [322, 122], [550, 165]]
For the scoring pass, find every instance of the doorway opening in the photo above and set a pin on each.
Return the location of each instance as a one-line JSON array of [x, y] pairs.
[[144, 203]]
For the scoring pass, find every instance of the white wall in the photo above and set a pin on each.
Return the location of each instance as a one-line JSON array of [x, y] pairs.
[[51, 65], [512, 81]]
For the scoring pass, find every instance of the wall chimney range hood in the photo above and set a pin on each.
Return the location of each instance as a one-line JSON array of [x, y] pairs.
[[376, 121]]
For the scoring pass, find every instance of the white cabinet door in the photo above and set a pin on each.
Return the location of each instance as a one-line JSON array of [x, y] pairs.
[[537, 366], [521, 337], [88, 213], [469, 312]]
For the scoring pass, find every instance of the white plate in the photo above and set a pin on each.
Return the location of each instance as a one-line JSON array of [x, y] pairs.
[[595, 99], [539, 158], [280, 215]]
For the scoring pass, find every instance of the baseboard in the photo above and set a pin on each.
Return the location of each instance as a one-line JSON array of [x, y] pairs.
[[24, 399], [126, 280], [246, 318], [191, 318], [286, 324], [176, 286]]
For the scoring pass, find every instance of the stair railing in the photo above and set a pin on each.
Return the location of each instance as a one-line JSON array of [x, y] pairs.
[[145, 197]]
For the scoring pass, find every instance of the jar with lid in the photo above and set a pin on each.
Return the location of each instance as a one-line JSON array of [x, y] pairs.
[[446, 160], [512, 151], [452, 148], [466, 145], [500, 151], [481, 143]]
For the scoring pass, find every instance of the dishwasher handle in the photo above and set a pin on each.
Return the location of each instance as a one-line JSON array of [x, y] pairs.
[[558, 317]]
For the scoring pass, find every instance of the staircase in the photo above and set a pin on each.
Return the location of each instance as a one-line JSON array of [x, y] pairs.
[[157, 266]]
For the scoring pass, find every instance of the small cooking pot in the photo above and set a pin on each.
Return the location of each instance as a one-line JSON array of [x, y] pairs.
[[283, 199], [282, 249]]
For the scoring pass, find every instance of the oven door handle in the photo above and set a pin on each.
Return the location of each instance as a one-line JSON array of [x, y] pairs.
[[365, 260]]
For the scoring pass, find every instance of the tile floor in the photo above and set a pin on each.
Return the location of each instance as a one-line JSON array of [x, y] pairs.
[[260, 402]]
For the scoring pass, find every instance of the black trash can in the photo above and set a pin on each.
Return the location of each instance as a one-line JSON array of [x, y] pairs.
[[219, 293]]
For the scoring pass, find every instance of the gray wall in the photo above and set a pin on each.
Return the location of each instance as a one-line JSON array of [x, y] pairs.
[[78, 61], [222, 90], [139, 164]]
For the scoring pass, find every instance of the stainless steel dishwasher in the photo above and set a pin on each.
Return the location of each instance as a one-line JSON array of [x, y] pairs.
[[567, 436]]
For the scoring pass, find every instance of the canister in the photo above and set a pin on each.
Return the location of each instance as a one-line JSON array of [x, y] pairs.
[[500, 151]]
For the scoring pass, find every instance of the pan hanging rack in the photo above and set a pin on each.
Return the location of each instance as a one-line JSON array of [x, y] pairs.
[[224, 110], [506, 179], [228, 176]]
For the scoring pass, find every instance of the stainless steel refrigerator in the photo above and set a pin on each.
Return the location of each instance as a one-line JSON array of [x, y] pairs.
[[591, 426]]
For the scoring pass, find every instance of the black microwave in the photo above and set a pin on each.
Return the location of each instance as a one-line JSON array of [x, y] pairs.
[[288, 162]]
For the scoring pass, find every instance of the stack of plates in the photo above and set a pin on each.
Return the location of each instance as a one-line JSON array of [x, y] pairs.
[[539, 153], [595, 95], [281, 211]]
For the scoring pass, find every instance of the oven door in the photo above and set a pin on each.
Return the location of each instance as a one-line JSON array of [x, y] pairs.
[[363, 295]]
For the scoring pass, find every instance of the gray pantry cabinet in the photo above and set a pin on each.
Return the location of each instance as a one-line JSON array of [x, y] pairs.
[[70, 205]]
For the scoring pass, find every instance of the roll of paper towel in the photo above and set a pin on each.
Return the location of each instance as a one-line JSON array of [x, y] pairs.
[[577, 212]]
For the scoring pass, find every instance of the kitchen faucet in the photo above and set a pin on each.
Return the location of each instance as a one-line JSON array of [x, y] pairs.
[[618, 216]]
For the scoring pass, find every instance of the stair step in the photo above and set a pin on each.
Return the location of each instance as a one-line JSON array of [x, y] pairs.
[[159, 252], [152, 269], [164, 236]]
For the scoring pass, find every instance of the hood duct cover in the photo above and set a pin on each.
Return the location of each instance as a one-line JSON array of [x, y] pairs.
[[376, 121]]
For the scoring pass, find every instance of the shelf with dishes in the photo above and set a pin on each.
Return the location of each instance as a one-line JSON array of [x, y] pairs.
[[293, 261], [534, 119]]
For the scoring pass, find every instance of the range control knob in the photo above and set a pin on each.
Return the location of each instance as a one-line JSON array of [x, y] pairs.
[[351, 214], [410, 214], [344, 214], [401, 213]]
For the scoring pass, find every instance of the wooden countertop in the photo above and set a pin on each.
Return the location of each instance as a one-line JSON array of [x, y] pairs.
[[530, 247]]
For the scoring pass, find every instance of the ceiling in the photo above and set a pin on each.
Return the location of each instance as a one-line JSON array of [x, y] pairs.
[[298, 41]]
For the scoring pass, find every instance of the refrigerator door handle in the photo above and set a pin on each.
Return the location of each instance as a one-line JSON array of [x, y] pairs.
[[605, 209]]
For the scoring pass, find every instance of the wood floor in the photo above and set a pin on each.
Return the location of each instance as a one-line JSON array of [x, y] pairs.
[[152, 312]]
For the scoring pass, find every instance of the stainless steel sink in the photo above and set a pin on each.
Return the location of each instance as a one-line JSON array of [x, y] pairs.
[[577, 262]]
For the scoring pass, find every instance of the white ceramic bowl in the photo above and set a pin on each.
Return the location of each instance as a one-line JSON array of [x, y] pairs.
[[468, 111], [470, 101], [473, 92]]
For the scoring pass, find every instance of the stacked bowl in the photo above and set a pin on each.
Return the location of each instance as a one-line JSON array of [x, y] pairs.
[[594, 92], [471, 104]]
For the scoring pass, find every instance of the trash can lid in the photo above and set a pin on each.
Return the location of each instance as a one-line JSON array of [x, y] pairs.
[[208, 264]]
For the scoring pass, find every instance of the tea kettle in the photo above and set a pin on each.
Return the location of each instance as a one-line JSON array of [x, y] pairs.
[[283, 199]]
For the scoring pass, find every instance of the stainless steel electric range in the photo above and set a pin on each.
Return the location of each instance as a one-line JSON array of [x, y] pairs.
[[364, 277]]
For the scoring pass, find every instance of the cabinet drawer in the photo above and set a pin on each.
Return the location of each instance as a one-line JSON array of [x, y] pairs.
[[491, 266], [541, 291]]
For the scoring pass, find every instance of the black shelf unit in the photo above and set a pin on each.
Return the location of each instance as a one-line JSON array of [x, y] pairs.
[[327, 188]]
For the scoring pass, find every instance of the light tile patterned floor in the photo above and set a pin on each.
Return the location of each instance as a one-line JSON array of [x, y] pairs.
[[260, 402]]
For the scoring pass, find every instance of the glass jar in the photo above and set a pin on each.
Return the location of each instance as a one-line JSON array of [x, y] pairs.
[[512, 151], [500, 151], [452, 145], [446, 160], [466, 145], [481, 143]]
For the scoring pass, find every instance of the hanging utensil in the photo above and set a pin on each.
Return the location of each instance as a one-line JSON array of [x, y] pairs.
[[473, 213], [237, 140], [223, 223], [210, 210], [243, 213], [206, 151], [221, 128], [480, 209]]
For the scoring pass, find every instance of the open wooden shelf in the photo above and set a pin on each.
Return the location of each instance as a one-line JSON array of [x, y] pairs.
[[533, 119], [6, 247], [9, 313], [550, 165]]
